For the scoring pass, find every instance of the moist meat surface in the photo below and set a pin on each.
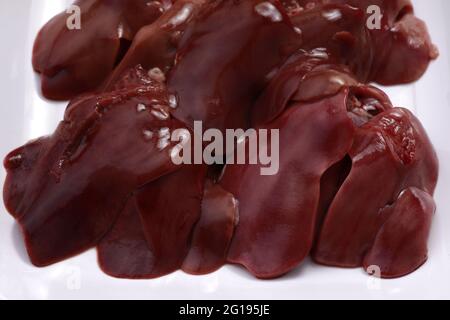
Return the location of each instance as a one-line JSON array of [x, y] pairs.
[[356, 174]]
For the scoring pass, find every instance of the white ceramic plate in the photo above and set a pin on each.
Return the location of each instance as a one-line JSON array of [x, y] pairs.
[[25, 115]]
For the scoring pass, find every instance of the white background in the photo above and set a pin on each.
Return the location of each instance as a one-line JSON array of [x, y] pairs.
[[25, 115]]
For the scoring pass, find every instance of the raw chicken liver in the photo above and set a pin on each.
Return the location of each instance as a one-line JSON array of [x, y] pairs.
[[355, 178]]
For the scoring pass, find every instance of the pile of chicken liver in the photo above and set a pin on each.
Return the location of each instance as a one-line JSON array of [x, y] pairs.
[[356, 177]]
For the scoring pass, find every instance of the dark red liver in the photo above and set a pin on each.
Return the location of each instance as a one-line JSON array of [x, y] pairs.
[[277, 214], [156, 44], [398, 52], [214, 231], [390, 154], [152, 236], [401, 245], [66, 190], [223, 60], [75, 61], [356, 175]]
